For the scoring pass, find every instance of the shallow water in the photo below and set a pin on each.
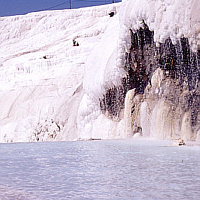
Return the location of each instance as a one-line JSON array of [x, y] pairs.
[[110, 169]]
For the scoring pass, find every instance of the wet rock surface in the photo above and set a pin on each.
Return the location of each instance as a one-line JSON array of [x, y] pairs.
[[167, 76]]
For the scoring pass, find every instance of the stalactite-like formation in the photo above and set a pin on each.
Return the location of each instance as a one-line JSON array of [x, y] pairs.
[[179, 86]]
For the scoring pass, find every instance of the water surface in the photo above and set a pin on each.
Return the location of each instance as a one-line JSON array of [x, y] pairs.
[[110, 169]]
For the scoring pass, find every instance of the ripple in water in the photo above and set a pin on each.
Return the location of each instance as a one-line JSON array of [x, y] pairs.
[[112, 169]]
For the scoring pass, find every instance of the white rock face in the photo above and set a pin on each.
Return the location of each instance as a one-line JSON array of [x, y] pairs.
[[41, 72], [50, 89], [105, 65]]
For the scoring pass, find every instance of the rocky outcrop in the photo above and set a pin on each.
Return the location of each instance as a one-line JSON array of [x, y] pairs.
[[168, 77], [164, 80]]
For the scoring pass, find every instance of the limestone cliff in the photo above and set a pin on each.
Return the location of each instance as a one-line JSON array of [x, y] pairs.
[[163, 83]]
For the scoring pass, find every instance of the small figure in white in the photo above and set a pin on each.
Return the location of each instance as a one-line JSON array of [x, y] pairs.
[[181, 142]]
